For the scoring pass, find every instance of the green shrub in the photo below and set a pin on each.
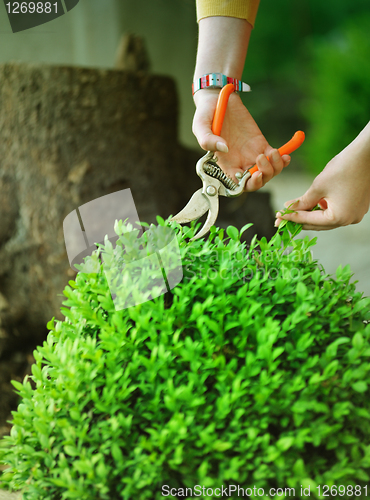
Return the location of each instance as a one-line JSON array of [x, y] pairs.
[[253, 371]]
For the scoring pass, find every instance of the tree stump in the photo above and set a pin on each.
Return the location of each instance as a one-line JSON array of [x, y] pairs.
[[70, 135]]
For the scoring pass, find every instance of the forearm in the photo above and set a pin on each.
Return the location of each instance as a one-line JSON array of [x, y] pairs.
[[224, 31], [356, 157], [222, 46], [362, 145]]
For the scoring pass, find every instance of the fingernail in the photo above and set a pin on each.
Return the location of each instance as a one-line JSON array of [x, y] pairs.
[[275, 155], [222, 147], [276, 224], [264, 161], [259, 176], [278, 214]]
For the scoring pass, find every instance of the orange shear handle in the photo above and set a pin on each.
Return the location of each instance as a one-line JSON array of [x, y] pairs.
[[221, 106], [287, 148]]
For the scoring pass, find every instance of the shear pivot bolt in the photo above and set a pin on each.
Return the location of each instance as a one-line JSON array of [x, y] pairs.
[[211, 190]]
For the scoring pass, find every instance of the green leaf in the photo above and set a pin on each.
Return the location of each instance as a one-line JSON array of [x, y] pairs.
[[50, 324], [117, 453], [332, 348], [301, 290], [221, 446], [280, 285], [277, 352], [299, 468], [305, 341], [245, 227], [331, 369], [160, 220], [233, 233], [71, 450], [360, 386], [17, 385], [357, 340], [285, 443], [315, 378]]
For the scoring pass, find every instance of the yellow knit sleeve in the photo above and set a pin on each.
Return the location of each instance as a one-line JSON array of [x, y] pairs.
[[243, 9]]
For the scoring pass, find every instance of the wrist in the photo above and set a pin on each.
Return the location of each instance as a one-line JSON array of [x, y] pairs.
[[222, 46], [218, 81], [205, 94], [210, 95]]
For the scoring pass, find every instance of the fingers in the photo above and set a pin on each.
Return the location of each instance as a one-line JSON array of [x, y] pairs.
[[303, 206], [255, 182], [308, 200], [276, 162], [310, 227], [316, 219], [271, 165], [286, 160], [319, 220], [268, 167]]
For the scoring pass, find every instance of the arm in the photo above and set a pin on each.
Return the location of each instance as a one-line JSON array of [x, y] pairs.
[[342, 190], [222, 47]]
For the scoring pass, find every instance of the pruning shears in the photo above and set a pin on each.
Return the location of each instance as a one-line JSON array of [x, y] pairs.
[[215, 182]]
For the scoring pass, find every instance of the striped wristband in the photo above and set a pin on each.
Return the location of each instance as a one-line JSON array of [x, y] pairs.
[[217, 81]]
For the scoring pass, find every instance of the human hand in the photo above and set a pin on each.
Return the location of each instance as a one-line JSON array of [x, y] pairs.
[[241, 145], [342, 190]]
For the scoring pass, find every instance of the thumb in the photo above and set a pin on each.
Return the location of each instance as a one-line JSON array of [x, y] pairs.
[[307, 201], [202, 124], [211, 142], [202, 129]]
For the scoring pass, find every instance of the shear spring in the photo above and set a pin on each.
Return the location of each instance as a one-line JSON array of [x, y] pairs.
[[215, 171]]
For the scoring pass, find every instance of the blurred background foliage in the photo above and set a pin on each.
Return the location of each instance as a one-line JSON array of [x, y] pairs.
[[308, 66]]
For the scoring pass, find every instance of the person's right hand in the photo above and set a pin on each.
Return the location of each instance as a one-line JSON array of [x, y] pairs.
[[241, 137], [342, 190]]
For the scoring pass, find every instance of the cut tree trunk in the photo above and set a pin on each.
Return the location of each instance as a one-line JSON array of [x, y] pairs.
[[70, 135]]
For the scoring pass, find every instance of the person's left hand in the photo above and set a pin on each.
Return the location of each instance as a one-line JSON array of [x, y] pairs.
[[341, 190]]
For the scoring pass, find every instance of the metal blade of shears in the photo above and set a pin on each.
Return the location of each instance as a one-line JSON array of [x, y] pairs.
[[211, 218], [197, 206]]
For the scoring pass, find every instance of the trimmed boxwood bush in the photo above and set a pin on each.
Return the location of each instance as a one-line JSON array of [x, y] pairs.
[[253, 371]]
